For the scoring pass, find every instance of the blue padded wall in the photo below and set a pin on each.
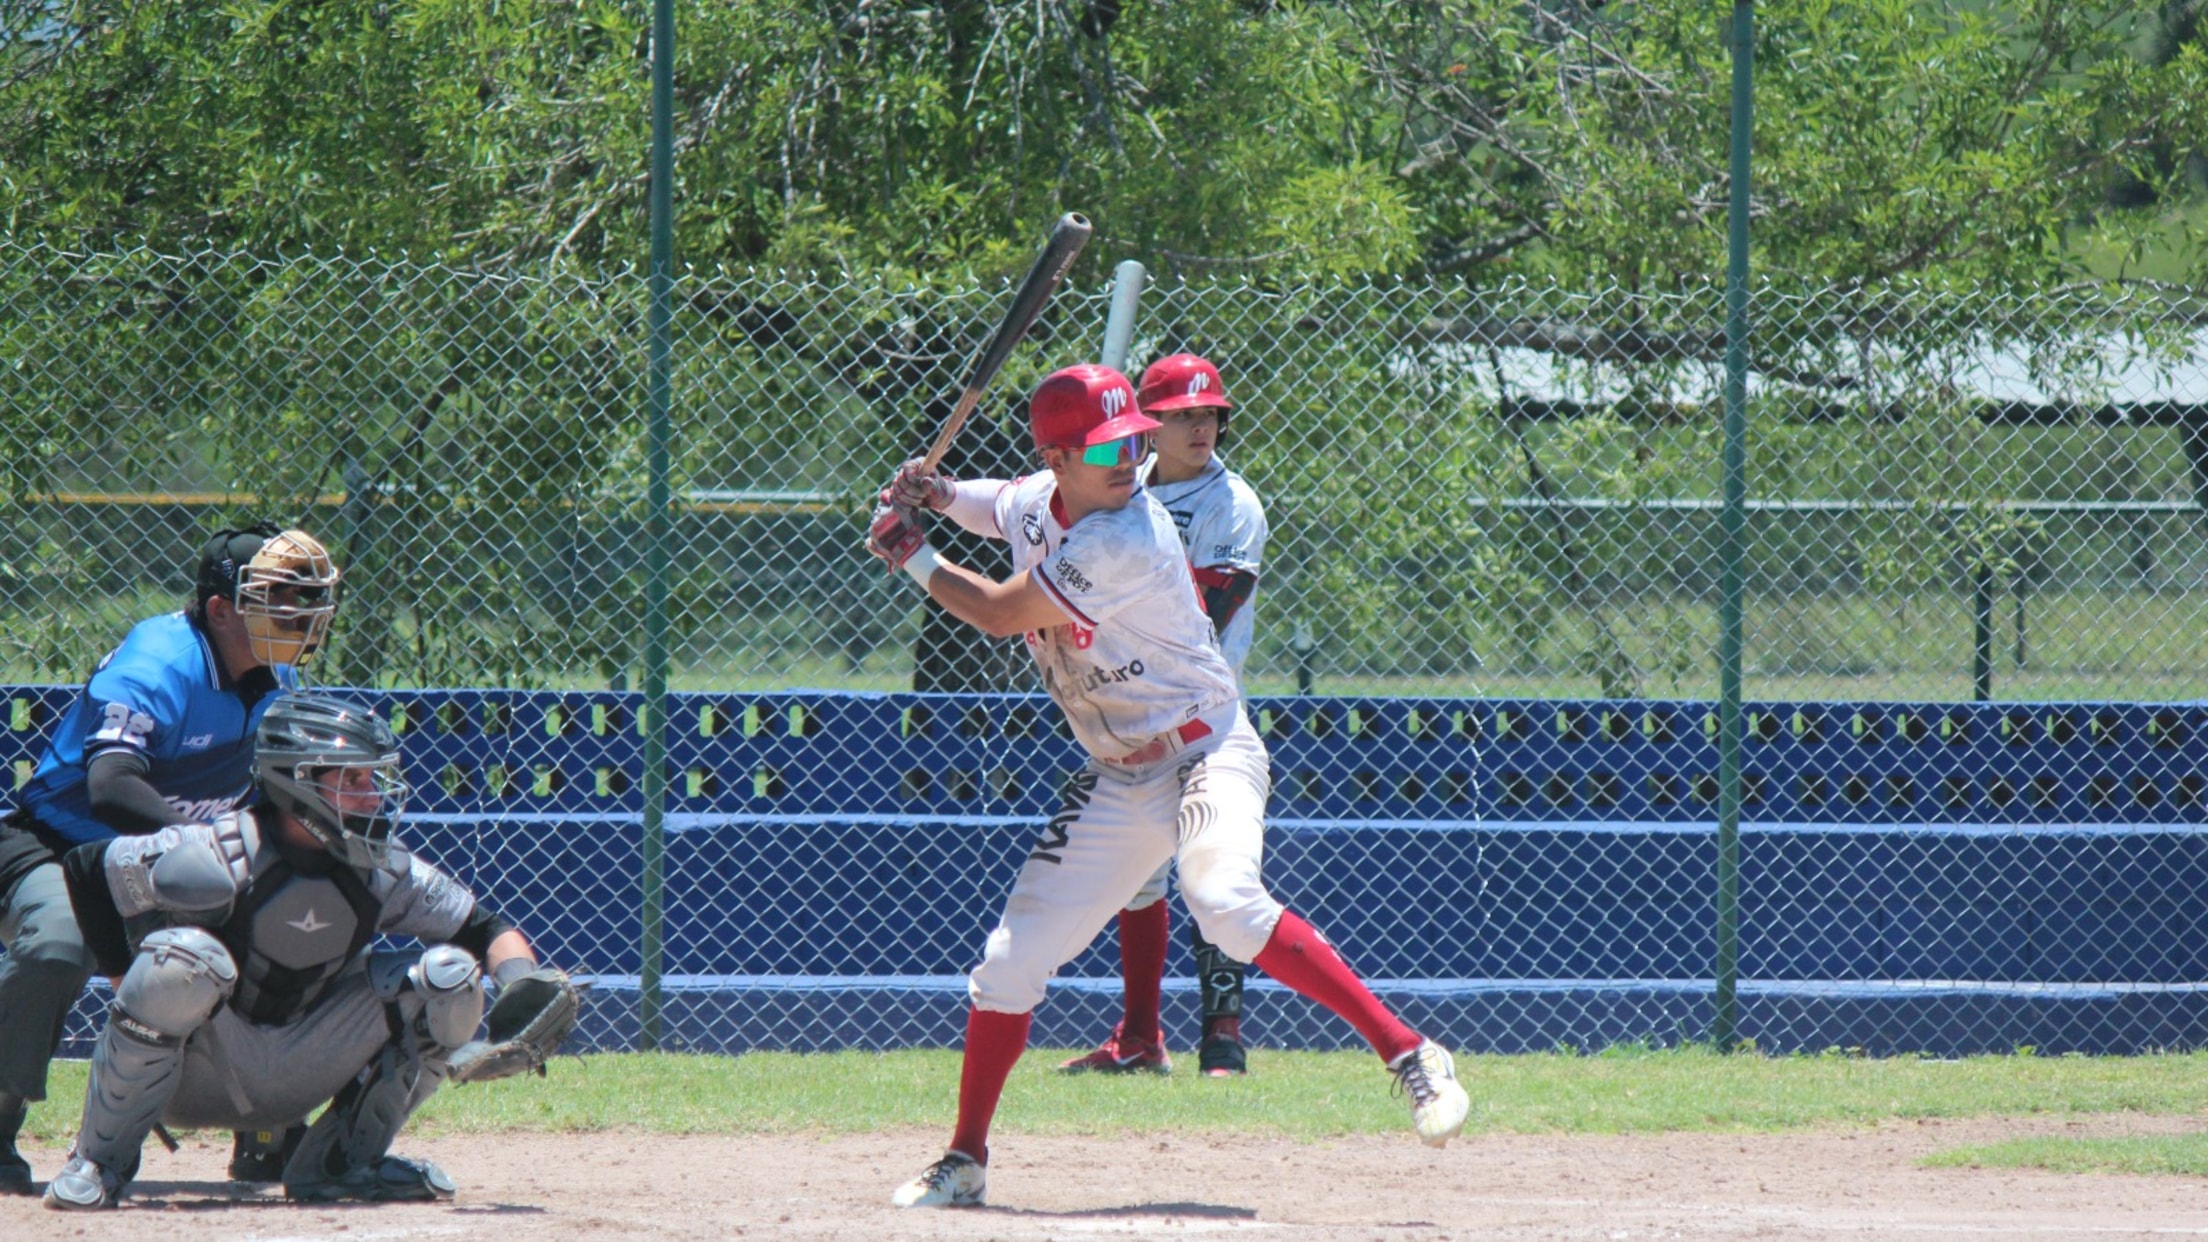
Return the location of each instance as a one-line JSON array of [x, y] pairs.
[[1524, 873]]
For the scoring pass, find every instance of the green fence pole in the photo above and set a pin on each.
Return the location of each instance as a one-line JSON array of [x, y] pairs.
[[655, 530], [1727, 1023]]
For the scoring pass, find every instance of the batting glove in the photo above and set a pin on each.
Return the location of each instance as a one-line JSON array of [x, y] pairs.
[[916, 487], [895, 536]]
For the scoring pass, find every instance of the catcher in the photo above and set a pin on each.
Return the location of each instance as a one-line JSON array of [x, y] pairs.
[[248, 993]]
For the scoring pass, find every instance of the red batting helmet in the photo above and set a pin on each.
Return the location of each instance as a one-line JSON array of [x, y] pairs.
[[1182, 382], [1084, 405]]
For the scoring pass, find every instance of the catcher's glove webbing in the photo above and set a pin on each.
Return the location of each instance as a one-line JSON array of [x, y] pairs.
[[526, 1025]]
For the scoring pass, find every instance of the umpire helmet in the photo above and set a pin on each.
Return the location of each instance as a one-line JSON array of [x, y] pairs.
[[305, 739], [283, 583]]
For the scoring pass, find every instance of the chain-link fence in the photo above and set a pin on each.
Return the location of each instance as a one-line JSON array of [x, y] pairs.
[[1952, 496], [1504, 493]]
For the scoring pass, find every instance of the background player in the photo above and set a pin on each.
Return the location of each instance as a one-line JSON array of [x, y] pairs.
[[161, 734], [1222, 525], [1101, 592], [253, 999]]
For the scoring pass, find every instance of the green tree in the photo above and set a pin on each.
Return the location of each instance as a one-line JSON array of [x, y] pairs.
[[1894, 138]]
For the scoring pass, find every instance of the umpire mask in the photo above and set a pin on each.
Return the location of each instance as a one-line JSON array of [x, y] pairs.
[[333, 765], [287, 595]]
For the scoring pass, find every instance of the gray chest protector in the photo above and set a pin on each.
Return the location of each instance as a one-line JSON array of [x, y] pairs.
[[293, 933]]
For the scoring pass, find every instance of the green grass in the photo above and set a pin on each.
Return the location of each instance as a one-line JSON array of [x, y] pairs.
[[2182, 1154], [1304, 1096]]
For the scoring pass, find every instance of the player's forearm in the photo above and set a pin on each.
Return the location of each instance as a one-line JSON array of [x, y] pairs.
[[115, 784], [975, 599], [998, 609], [974, 506], [510, 946]]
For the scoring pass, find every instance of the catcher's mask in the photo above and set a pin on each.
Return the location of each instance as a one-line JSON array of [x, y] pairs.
[[334, 766], [284, 586]]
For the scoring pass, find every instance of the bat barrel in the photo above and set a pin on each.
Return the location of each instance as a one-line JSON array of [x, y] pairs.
[[1058, 253], [1119, 323]]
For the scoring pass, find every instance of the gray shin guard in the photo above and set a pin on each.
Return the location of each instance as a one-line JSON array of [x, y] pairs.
[[179, 978], [435, 1002]]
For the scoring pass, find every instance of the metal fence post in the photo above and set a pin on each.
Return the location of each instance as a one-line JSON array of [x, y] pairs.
[[1981, 637], [1725, 1029], [655, 557]]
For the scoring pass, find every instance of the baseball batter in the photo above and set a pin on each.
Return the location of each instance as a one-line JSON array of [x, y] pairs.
[[248, 995], [1102, 594], [1222, 526], [162, 734]]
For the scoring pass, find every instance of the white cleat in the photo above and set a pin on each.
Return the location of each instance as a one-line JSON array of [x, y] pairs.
[[957, 1180], [1428, 1076]]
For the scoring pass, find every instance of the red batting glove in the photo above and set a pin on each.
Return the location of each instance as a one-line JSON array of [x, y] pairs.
[[894, 535], [915, 488]]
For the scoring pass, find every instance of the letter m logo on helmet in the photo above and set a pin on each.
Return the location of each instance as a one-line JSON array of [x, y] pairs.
[[1084, 405], [1179, 382], [1184, 382]]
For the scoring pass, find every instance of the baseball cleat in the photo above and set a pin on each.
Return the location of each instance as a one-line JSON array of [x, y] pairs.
[[83, 1186], [1222, 1056], [957, 1180], [392, 1179], [1428, 1076], [1121, 1055]]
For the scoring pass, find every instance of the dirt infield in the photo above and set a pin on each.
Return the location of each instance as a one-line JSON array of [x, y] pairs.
[[1854, 1184]]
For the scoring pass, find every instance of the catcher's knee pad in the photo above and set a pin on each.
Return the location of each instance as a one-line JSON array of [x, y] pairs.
[[436, 999], [446, 982], [180, 976], [1228, 901]]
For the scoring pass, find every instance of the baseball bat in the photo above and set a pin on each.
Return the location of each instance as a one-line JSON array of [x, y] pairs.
[[1119, 323], [1058, 254]]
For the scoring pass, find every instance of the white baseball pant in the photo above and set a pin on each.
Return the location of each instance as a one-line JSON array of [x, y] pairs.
[[1202, 809]]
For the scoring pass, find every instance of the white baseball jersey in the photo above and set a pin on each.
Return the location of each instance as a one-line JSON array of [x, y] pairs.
[[1223, 526], [1138, 658]]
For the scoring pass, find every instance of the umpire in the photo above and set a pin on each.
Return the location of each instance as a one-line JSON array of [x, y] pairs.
[[161, 734]]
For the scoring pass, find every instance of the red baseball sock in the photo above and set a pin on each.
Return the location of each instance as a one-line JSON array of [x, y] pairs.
[[1300, 957], [994, 1042], [1142, 940]]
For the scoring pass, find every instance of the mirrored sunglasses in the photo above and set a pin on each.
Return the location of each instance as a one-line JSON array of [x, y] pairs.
[[1127, 450]]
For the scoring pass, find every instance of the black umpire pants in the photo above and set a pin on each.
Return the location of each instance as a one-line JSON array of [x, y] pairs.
[[46, 964]]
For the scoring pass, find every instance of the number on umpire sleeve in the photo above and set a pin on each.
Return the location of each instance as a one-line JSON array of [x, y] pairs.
[[120, 724]]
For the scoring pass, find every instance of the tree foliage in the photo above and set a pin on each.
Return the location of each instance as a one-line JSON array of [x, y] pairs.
[[1894, 137]]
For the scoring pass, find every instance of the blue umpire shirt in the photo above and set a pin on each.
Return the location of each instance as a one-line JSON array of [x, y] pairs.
[[162, 693]]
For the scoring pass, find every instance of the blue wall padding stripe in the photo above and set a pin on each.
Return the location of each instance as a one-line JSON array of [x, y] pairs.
[[1915, 877]]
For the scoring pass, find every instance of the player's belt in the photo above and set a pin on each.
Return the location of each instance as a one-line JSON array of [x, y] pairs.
[[1166, 744]]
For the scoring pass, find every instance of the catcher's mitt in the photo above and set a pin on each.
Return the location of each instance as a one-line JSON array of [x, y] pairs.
[[526, 1025]]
